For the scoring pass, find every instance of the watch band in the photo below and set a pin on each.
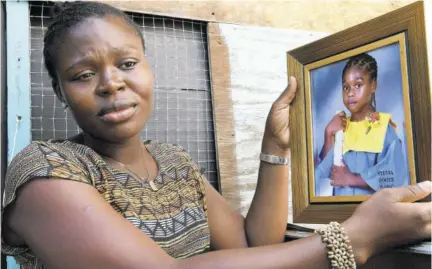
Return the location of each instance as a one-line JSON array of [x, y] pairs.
[[274, 159]]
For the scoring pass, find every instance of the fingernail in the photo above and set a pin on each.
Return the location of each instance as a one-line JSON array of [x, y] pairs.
[[425, 185]]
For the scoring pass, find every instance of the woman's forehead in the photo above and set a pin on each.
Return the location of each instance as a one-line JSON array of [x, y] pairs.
[[99, 35]]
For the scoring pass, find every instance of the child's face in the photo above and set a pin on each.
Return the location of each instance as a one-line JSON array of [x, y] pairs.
[[357, 89], [100, 67]]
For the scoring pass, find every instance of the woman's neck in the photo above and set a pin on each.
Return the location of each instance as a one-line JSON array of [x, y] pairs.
[[126, 152]]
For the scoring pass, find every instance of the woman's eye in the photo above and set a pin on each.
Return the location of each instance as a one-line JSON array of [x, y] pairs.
[[128, 65], [84, 76]]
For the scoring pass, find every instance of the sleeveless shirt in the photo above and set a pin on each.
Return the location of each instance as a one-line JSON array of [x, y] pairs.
[[174, 215]]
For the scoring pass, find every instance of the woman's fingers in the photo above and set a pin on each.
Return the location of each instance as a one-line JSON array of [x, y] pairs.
[[411, 193], [405, 222], [287, 96], [426, 217], [421, 216]]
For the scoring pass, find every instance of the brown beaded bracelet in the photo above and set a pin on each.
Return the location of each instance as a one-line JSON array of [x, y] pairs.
[[339, 252]]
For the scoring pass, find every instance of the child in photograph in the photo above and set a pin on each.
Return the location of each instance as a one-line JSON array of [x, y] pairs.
[[373, 156]]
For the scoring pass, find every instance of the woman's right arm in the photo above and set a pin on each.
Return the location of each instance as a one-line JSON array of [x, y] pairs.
[[68, 225]]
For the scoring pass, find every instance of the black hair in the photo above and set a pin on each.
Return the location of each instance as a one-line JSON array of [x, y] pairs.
[[69, 14], [368, 63]]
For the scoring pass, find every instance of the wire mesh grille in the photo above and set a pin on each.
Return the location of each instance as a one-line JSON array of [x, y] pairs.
[[177, 53]]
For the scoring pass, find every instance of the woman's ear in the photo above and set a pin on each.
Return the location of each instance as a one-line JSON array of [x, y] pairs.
[[57, 91]]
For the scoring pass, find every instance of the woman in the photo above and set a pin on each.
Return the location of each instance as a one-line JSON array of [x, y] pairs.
[[107, 200]]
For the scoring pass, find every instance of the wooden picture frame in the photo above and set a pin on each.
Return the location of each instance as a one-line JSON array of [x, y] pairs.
[[404, 27], [389, 51]]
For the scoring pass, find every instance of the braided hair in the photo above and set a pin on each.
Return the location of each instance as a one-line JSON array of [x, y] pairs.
[[69, 14], [368, 63]]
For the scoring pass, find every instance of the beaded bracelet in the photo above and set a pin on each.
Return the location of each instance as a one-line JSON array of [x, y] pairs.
[[340, 252]]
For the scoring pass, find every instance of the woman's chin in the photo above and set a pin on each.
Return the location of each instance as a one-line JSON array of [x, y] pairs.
[[123, 133], [116, 133]]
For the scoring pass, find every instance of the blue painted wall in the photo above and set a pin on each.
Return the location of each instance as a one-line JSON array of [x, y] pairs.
[[18, 82]]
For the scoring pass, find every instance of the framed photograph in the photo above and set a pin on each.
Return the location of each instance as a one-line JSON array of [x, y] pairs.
[[361, 119], [369, 85]]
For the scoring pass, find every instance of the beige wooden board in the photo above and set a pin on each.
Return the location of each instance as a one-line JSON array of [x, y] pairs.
[[313, 15]]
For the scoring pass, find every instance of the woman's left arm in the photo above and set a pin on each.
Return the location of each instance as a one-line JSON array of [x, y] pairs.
[[267, 218], [266, 221]]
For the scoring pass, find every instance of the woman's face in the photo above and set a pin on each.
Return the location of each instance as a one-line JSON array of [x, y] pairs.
[[357, 89], [104, 78]]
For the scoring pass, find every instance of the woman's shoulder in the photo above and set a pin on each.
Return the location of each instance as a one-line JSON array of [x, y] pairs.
[[171, 155], [45, 159], [160, 148], [37, 151], [164, 146], [50, 151]]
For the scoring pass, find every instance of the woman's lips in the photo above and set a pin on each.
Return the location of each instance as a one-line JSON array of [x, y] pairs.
[[118, 111], [119, 115]]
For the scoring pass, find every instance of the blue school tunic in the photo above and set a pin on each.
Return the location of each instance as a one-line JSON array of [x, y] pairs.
[[375, 154]]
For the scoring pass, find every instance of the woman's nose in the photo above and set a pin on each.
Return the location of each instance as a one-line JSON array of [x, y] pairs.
[[110, 83]]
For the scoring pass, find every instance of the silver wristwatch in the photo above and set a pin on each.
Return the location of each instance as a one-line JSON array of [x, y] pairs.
[[274, 159]]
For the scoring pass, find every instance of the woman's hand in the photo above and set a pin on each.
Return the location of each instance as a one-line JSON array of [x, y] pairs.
[[337, 123], [276, 134], [389, 219]]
